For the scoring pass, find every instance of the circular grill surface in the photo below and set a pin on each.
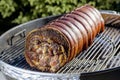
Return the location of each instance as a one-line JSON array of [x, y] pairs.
[[103, 54]]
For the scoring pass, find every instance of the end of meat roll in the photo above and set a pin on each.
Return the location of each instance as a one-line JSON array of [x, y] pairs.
[[46, 49]]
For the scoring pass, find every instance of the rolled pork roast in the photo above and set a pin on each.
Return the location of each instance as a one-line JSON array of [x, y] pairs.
[[50, 47]]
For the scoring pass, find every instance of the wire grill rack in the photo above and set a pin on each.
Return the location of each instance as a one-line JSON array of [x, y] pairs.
[[103, 54]]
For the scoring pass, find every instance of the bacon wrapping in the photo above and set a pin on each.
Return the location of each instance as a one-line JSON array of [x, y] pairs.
[[50, 47]]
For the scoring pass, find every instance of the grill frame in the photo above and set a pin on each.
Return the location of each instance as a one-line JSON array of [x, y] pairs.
[[14, 71]]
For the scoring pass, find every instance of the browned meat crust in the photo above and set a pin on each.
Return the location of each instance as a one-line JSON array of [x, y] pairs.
[[53, 45]]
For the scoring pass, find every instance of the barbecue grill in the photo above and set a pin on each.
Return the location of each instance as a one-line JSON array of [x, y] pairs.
[[101, 61]]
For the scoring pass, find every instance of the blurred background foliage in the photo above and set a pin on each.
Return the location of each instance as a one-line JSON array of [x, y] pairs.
[[14, 12]]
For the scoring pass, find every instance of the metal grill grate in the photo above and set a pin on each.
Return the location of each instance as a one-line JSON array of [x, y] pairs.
[[102, 54]]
